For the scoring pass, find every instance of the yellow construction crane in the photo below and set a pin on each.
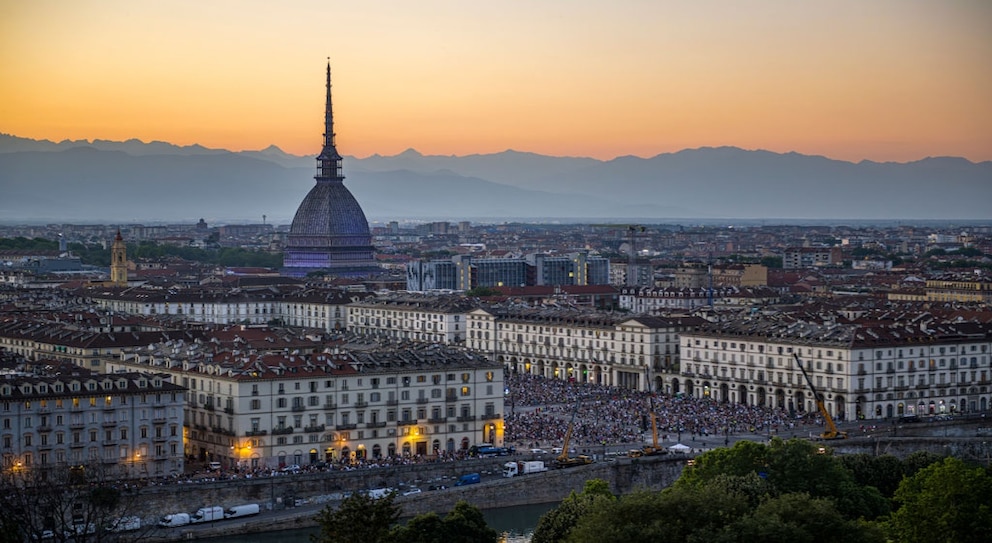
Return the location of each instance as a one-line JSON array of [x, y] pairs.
[[831, 432]]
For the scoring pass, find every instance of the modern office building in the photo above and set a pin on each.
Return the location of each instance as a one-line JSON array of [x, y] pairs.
[[464, 272]]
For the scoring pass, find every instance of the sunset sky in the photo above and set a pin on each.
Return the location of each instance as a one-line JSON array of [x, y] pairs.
[[883, 80]]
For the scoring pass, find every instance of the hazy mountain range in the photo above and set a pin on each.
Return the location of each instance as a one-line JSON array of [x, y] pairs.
[[133, 181]]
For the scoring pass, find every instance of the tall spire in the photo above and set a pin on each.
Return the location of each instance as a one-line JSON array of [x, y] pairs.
[[329, 162]]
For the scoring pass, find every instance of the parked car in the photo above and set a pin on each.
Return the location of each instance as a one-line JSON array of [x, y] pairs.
[[412, 491]]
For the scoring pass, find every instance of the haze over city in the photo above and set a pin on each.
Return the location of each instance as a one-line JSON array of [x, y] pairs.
[[883, 81]]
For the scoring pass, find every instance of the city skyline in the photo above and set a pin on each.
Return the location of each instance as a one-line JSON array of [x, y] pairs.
[[883, 81]]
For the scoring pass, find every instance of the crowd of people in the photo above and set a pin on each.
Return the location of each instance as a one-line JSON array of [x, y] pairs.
[[540, 410]]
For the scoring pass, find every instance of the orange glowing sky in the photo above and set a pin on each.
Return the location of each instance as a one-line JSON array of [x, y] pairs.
[[849, 79]]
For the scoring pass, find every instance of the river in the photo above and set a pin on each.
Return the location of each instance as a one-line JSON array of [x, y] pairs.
[[515, 523]]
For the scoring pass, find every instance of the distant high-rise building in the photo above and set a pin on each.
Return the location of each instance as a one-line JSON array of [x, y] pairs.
[[330, 232]]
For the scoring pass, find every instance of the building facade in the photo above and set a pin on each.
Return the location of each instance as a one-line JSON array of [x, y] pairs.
[[863, 372], [345, 405], [627, 352], [129, 424]]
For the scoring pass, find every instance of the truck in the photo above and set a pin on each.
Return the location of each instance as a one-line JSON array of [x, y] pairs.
[[125, 524], [245, 510], [512, 469], [207, 514], [173, 520], [468, 479]]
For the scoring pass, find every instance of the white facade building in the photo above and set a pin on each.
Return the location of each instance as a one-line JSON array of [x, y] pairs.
[[865, 372]]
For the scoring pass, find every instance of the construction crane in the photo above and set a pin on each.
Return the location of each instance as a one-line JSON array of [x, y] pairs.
[[564, 460], [632, 230], [653, 449], [831, 432]]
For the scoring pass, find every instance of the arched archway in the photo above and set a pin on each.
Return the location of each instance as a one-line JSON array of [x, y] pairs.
[[724, 393], [376, 451], [742, 395]]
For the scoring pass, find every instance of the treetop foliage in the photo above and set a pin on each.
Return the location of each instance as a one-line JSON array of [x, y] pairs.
[[788, 491]]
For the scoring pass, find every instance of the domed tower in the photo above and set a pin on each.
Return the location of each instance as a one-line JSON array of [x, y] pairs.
[[329, 232]]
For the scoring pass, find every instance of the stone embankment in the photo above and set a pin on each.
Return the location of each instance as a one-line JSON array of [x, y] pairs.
[[280, 495]]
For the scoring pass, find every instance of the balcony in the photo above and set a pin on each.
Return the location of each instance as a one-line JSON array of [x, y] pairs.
[[282, 431], [375, 424], [109, 423], [361, 404], [421, 401], [330, 406], [298, 408], [313, 429], [209, 406], [346, 427], [392, 402], [407, 422], [255, 433], [491, 416], [437, 420], [451, 398], [465, 418], [229, 410]]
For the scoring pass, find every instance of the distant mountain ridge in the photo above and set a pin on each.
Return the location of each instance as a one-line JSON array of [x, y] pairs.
[[134, 181]]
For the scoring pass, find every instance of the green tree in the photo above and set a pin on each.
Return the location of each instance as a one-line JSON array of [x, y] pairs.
[[689, 513], [558, 523], [882, 472], [797, 517], [918, 460], [481, 291], [358, 519], [772, 262], [790, 466], [463, 524], [946, 501]]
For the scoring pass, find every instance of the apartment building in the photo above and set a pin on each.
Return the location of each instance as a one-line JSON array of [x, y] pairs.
[[348, 403], [85, 348], [585, 347], [411, 316], [870, 372], [811, 257], [665, 300], [289, 305], [128, 424]]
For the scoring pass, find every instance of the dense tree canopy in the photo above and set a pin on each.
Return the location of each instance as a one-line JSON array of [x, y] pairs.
[[946, 501], [361, 518], [787, 491]]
